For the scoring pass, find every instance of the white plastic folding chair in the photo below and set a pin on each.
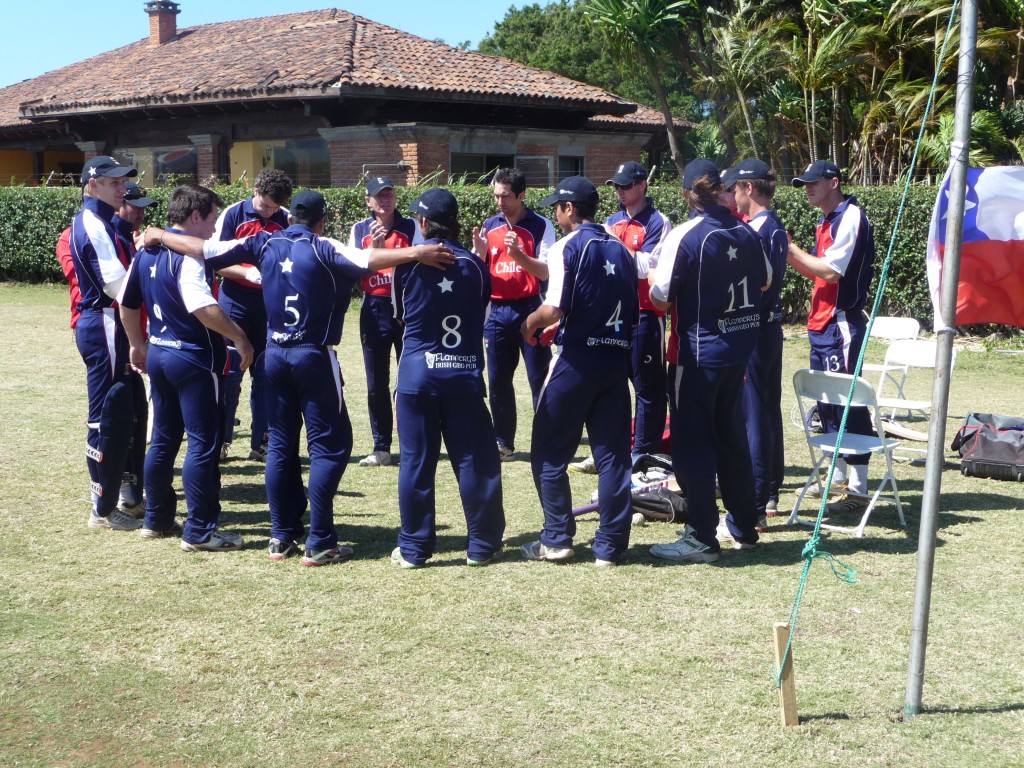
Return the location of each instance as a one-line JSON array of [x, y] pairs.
[[834, 389], [891, 329], [911, 355]]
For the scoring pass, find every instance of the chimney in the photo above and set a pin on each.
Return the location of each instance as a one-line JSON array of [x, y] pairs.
[[162, 24]]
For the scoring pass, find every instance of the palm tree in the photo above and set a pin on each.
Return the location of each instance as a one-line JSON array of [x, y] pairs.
[[641, 33], [744, 54]]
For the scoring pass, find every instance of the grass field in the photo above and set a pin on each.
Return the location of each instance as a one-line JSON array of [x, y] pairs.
[[119, 651]]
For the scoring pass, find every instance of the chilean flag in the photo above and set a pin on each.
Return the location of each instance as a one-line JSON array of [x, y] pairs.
[[991, 288]]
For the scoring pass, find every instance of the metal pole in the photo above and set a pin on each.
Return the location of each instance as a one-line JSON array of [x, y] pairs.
[[943, 357]]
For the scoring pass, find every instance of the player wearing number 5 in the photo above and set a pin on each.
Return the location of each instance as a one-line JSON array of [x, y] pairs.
[[592, 295], [711, 272], [440, 392]]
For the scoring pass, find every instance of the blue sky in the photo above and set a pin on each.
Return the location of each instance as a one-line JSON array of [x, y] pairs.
[[49, 34]]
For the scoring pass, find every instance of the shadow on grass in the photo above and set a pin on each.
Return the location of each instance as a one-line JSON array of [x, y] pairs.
[[993, 710]]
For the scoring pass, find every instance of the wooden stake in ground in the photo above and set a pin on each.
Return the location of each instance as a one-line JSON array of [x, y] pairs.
[[787, 688]]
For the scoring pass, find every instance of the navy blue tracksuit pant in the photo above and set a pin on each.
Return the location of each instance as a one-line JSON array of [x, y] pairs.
[[464, 423], [304, 383], [186, 398], [584, 387], [709, 439], [762, 407], [381, 336], [836, 348], [504, 344], [649, 383]]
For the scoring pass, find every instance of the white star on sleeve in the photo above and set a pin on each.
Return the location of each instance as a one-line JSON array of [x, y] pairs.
[[152, 271], [609, 268], [446, 285], [286, 265], [732, 253]]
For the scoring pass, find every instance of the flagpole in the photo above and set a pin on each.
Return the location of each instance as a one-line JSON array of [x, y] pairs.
[[959, 152]]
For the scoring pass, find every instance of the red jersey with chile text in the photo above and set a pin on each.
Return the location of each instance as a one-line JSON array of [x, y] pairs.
[[399, 236], [509, 281], [642, 234]]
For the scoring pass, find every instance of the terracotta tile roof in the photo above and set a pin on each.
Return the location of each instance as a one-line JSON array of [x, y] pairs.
[[309, 55], [644, 116]]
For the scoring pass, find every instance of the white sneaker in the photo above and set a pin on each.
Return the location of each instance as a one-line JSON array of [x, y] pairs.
[[538, 551], [376, 459], [115, 521], [723, 534], [587, 466], [224, 448], [505, 453], [219, 541], [686, 550]]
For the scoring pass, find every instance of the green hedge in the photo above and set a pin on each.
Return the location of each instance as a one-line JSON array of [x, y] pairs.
[[31, 219]]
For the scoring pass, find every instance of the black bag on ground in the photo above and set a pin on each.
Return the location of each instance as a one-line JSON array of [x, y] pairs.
[[991, 445], [661, 505]]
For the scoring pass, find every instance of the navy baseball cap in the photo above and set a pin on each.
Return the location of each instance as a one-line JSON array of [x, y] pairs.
[[437, 205], [310, 205], [104, 165], [575, 189], [378, 184], [628, 173], [699, 168], [136, 195], [822, 169], [748, 170]]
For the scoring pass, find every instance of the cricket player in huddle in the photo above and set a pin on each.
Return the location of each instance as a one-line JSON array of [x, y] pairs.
[[711, 272], [440, 393], [186, 360], [515, 245], [379, 330], [307, 287], [241, 296], [100, 262], [841, 265], [752, 184], [593, 296], [641, 227]]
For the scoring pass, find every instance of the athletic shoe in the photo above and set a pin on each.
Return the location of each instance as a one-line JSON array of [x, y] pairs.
[[130, 498], [686, 550], [279, 550], [505, 453], [314, 558], [219, 541], [115, 521], [224, 451], [587, 466], [173, 532], [259, 454], [604, 563], [486, 561], [762, 524], [401, 562], [723, 534], [539, 551], [848, 505], [771, 509], [376, 459], [838, 489]]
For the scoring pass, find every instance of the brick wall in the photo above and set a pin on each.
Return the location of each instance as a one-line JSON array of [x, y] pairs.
[[349, 157], [601, 162]]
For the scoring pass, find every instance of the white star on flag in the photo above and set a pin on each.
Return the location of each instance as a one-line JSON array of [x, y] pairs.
[[968, 204], [446, 285], [609, 268], [286, 265], [732, 253]]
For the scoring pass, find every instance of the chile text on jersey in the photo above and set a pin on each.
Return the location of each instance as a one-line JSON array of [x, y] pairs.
[[509, 281]]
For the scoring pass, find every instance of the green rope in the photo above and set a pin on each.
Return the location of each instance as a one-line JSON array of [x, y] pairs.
[[811, 552]]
